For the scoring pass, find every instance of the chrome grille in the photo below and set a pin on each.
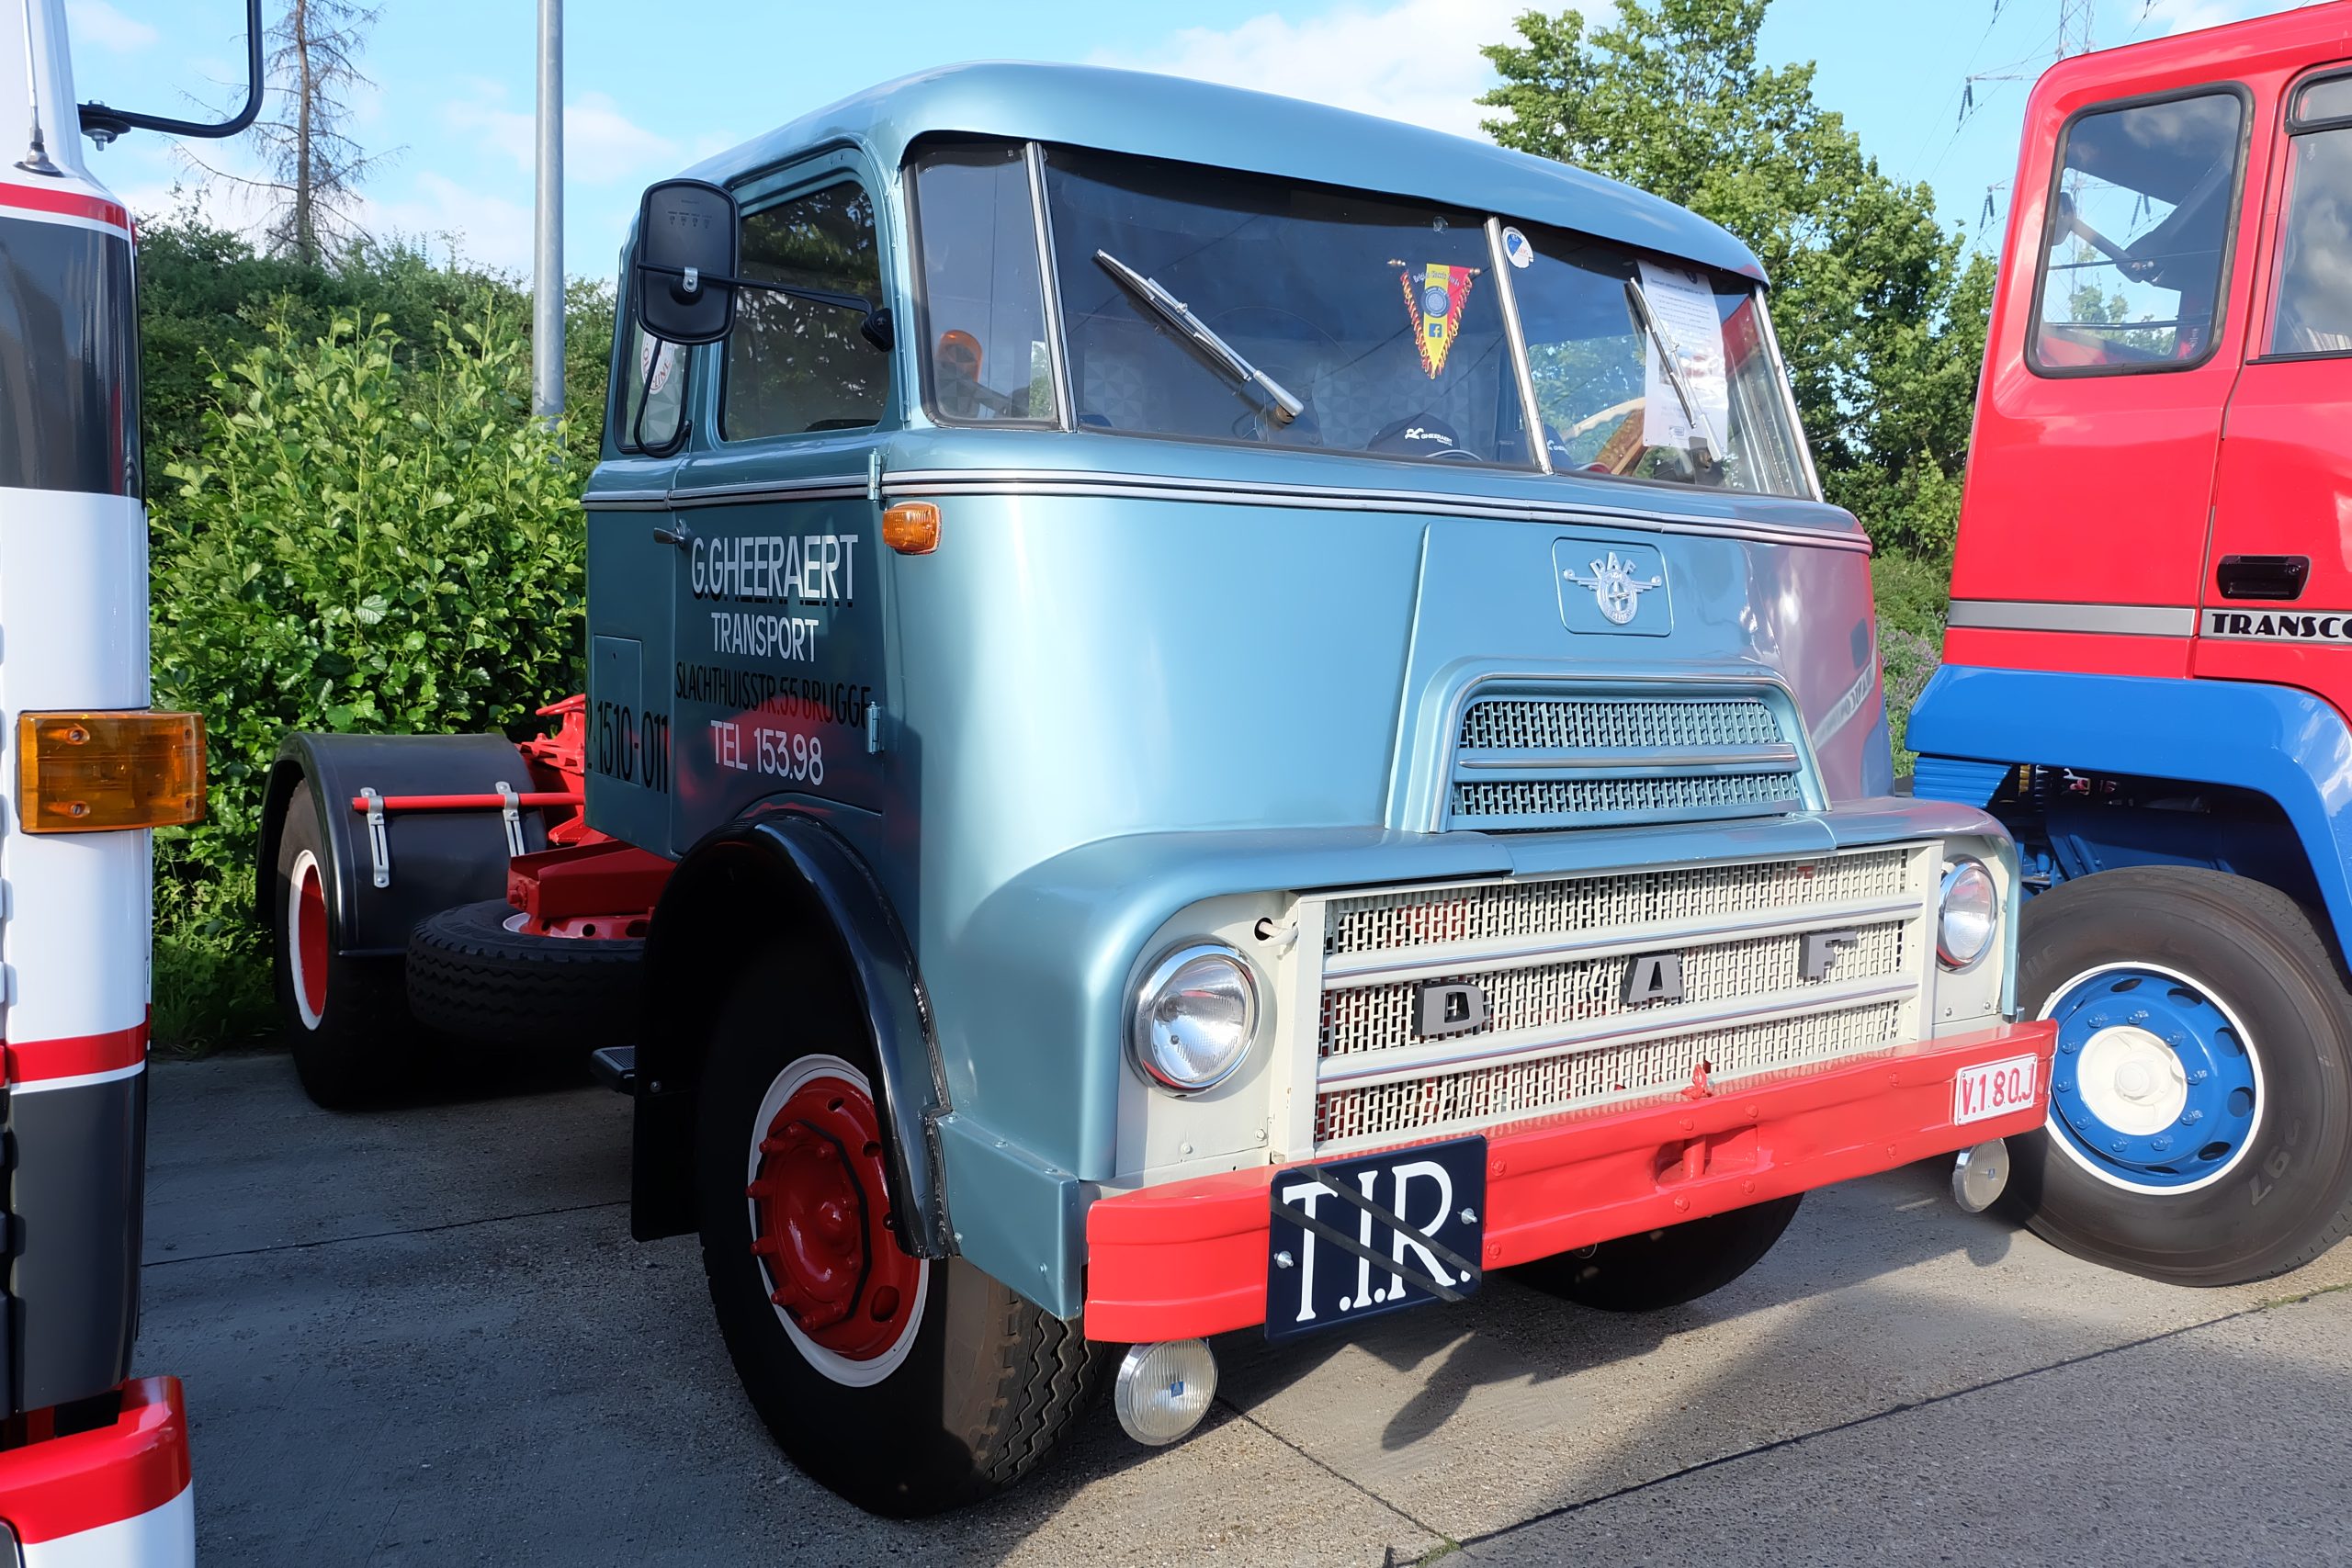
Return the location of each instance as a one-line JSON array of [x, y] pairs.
[[1751, 794], [1587, 724], [1528, 761], [1487, 1095], [1499, 912], [1550, 958]]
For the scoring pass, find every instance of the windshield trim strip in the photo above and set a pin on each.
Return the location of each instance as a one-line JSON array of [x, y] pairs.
[[1788, 394], [1057, 347], [1168, 487], [1521, 369]]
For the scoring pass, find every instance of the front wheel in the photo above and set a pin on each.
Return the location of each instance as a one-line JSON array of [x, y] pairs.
[[907, 1385], [2200, 1126], [1665, 1268]]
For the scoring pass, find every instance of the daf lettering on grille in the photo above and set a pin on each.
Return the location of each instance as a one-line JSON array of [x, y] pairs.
[[1654, 977], [1449, 1006]]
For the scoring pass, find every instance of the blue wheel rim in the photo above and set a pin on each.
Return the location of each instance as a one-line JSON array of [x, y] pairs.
[[2156, 1022]]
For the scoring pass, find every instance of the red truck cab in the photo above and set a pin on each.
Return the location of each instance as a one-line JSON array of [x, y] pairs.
[[2150, 653]]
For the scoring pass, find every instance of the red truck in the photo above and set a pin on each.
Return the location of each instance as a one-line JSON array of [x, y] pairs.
[[2150, 658]]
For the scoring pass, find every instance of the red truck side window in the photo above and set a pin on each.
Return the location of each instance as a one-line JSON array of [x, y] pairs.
[[2314, 313], [2138, 240]]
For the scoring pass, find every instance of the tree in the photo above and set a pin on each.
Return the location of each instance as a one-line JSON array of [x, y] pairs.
[[1881, 316], [315, 167]]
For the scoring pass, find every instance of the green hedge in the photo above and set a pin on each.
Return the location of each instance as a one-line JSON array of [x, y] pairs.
[[373, 540]]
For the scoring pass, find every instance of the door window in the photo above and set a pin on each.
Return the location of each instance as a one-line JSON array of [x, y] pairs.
[[2314, 287], [2137, 245], [794, 366], [986, 360]]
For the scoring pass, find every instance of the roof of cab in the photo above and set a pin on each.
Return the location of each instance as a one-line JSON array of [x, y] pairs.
[[1198, 122]]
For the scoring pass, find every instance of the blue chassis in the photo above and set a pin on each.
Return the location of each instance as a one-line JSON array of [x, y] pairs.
[[2277, 760]]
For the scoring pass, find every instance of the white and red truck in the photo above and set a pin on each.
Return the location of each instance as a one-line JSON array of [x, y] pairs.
[[93, 1463]]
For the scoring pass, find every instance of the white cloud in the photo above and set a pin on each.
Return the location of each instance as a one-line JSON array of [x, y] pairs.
[[600, 143], [1414, 60], [2160, 18], [94, 21], [443, 215]]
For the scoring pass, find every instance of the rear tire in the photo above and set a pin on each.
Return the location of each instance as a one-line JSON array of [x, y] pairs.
[[1655, 1269], [345, 1020], [471, 976], [2200, 1124], [946, 1389]]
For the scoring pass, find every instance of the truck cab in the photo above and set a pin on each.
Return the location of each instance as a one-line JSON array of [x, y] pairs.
[[2150, 654], [1257, 713]]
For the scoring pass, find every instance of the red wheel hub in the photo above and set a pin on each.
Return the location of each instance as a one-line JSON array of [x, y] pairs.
[[822, 1223], [311, 937]]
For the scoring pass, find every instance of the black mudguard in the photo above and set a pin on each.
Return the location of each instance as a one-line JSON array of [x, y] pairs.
[[437, 859]]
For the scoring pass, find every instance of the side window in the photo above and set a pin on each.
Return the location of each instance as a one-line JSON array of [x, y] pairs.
[[986, 360], [2314, 313], [2137, 249], [794, 366], [651, 396]]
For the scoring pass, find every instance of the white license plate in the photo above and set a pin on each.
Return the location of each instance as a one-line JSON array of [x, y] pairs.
[[1994, 1090]]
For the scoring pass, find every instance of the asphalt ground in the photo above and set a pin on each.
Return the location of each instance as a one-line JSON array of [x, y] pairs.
[[424, 1336]]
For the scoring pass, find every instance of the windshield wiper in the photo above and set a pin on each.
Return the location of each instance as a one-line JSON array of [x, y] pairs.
[[1709, 447], [1218, 352]]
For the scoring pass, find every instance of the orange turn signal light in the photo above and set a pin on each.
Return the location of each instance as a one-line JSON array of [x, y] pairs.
[[83, 773], [911, 527]]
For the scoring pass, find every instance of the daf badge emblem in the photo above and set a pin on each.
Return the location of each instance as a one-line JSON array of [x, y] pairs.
[[1614, 587], [1448, 1007]]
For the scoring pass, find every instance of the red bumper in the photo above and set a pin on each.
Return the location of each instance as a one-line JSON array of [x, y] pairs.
[[1189, 1259], [54, 1487]]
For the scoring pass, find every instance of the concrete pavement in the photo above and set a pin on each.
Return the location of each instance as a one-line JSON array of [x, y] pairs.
[[424, 1335]]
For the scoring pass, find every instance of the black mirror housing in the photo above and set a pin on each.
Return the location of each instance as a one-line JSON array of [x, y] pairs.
[[686, 236]]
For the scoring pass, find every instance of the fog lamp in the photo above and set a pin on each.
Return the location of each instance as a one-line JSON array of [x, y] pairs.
[[1163, 1390], [1968, 912], [1195, 1016]]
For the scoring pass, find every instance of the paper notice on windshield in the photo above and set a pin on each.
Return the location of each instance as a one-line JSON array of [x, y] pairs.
[[1684, 306]]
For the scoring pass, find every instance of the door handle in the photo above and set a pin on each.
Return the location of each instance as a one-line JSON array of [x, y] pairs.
[[680, 535], [2262, 577]]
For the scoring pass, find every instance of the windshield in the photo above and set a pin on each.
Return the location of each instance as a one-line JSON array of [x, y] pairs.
[[1600, 323], [1379, 317], [1220, 306]]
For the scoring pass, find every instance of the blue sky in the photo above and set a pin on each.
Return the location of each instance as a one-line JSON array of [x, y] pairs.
[[649, 88]]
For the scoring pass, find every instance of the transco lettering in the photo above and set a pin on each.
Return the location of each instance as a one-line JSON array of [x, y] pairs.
[[775, 569], [2279, 626]]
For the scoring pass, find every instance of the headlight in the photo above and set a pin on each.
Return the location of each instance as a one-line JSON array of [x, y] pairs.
[[1194, 1017], [1968, 911]]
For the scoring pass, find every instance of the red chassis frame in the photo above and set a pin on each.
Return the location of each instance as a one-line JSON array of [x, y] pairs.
[[584, 884], [1188, 1258]]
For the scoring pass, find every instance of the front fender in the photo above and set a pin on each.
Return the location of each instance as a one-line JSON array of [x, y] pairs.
[[2285, 744]]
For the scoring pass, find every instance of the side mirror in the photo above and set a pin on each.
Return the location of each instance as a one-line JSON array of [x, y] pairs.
[[685, 262]]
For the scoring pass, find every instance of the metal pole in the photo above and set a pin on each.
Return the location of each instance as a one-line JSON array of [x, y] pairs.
[[547, 261]]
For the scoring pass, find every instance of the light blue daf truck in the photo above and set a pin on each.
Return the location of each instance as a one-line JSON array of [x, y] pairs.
[[1203, 715]]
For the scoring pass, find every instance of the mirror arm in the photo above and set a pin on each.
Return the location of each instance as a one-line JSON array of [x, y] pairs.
[[103, 123], [875, 320]]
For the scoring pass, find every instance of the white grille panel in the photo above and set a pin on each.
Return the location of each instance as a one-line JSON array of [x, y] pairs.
[[1481, 1096], [1357, 1018], [1384, 922]]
